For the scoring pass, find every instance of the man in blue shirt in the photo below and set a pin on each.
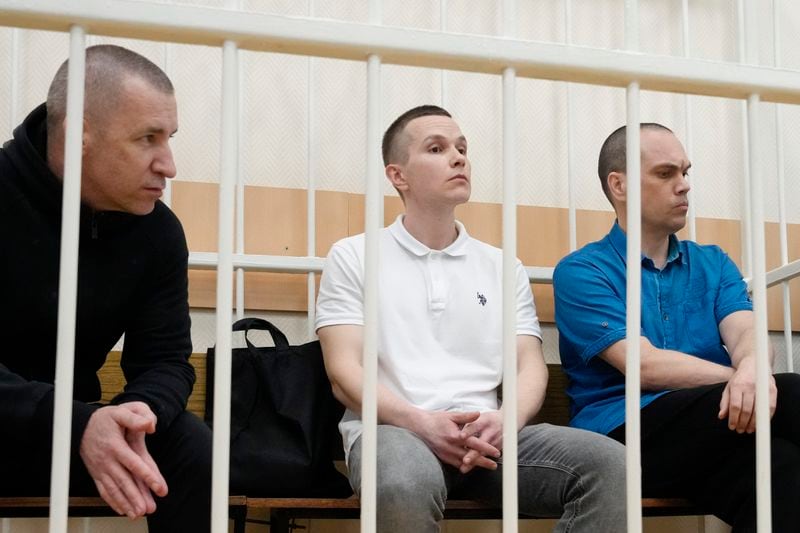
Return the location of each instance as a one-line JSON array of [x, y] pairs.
[[697, 349]]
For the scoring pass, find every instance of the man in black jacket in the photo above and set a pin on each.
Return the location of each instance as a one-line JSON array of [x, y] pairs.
[[143, 453]]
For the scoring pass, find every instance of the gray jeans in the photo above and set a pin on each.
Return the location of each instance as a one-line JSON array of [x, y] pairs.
[[566, 472]]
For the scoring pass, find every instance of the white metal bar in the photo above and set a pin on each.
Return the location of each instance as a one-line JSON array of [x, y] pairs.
[[510, 449], [758, 257], [746, 234], [240, 206], [633, 464], [168, 58], [687, 109], [302, 265], [259, 263], [763, 370], [222, 378], [783, 273], [572, 213], [68, 283], [311, 189], [633, 322], [395, 45], [509, 328], [373, 222], [782, 225]]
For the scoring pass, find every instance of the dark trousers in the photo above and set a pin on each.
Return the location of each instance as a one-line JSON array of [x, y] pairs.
[[688, 452], [183, 455]]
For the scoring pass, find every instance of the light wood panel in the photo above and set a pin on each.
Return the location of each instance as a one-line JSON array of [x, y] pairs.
[[775, 294], [112, 381], [276, 225]]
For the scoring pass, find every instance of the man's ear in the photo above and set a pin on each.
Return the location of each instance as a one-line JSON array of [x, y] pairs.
[[617, 186], [396, 177]]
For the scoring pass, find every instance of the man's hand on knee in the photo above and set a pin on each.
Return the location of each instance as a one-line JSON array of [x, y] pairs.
[[441, 431], [115, 455], [738, 403]]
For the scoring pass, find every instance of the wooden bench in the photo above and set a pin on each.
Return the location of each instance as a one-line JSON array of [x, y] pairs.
[[283, 511]]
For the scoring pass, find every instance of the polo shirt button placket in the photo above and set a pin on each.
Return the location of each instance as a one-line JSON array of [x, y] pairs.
[[437, 281]]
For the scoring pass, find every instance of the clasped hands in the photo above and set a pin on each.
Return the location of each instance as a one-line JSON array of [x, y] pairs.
[[114, 452], [464, 440]]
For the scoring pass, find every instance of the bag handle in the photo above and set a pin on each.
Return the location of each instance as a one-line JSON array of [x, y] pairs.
[[246, 324]]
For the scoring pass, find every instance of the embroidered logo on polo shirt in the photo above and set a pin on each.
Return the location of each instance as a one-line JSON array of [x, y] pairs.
[[481, 299]]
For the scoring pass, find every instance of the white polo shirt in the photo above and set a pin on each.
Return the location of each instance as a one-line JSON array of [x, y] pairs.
[[440, 318]]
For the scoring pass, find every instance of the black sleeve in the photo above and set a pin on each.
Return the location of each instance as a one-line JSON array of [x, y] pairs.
[[155, 355]]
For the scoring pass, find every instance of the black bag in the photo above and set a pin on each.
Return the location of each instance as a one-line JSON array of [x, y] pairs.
[[283, 419]]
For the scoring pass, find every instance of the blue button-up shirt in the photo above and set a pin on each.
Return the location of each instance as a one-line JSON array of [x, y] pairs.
[[682, 306]]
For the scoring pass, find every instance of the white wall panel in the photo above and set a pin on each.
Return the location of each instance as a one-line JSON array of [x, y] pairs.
[[274, 101], [274, 119], [197, 76]]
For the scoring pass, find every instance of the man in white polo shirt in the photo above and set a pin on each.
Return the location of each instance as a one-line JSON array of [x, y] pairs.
[[440, 358]]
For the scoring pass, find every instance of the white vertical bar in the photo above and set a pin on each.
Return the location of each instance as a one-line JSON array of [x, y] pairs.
[[5, 525], [572, 212], [222, 379], [784, 237], [68, 284], [311, 190], [13, 81], [747, 236], [372, 222], [751, 14], [510, 493], [169, 61], [239, 209], [510, 442], [443, 72], [759, 285], [687, 102], [633, 455], [633, 323]]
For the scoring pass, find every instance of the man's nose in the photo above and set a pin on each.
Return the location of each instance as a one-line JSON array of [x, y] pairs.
[[164, 164]]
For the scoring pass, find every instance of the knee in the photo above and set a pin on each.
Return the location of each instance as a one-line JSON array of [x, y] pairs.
[[409, 474], [407, 489], [788, 385], [185, 448], [785, 464], [604, 461]]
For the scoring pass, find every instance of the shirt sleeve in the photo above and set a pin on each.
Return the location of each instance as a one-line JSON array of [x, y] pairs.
[[589, 309], [527, 319], [155, 354], [732, 294], [341, 289]]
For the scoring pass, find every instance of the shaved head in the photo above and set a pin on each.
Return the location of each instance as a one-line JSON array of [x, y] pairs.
[[395, 140], [613, 154], [107, 68]]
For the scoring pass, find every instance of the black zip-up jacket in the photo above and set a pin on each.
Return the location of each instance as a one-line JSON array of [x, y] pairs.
[[132, 279]]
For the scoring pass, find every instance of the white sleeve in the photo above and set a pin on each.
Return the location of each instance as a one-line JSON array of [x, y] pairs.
[[527, 320], [341, 289]]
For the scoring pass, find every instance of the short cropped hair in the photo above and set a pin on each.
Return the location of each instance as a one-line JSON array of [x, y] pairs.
[[394, 149], [107, 67], [612, 153]]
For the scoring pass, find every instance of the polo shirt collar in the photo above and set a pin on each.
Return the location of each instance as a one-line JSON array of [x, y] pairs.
[[407, 241], [619, 240]]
